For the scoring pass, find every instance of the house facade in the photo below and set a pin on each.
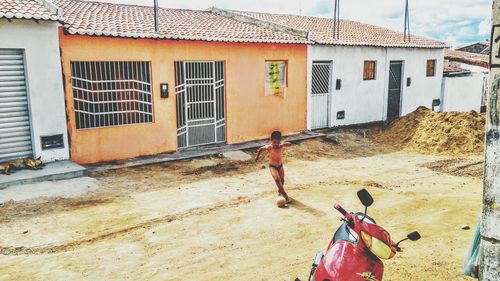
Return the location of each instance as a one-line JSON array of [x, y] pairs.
[[366, 74], [465, 81], [132, 91], [32, 110], [134, 86], [397, 85]]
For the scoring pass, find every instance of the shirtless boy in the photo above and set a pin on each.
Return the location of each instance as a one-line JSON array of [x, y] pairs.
[[275, 149]]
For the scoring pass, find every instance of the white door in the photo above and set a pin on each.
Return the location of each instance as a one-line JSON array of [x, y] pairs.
[[320, 94], [15, 131]]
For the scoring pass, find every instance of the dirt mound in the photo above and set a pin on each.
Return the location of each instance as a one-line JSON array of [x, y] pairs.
[[425, 131]]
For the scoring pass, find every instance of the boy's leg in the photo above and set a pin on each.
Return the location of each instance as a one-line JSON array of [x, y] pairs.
[[282, 177], [277, 179]]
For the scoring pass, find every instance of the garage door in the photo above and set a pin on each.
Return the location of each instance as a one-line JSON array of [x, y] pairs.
[[15, 133]]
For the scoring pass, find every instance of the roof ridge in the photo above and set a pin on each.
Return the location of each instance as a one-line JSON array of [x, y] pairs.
[[484, 42], [330, 19], [51, 7], [261, 23], [255, 15], [102, 19]]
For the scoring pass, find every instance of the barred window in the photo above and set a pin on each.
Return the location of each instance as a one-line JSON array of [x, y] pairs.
[[111, 93], [369, 70]]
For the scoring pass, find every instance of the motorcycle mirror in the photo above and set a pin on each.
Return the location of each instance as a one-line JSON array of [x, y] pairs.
[[365, 197], [414, 236]]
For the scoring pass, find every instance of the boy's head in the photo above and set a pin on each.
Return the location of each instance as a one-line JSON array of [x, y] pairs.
[[276, 138]]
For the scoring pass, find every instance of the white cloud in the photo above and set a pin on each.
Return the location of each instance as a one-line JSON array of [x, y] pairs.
[[484, 27]]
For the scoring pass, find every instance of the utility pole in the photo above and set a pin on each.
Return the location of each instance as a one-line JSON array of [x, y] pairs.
[[336, 20], [156, 15], [489, 265], [407, 23]]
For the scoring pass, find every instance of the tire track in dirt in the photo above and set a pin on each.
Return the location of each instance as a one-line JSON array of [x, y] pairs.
[[55, 248], [71, 245]]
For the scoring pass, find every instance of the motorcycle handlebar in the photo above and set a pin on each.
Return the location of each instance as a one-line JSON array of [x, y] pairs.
[[344, 213], [340, 209]]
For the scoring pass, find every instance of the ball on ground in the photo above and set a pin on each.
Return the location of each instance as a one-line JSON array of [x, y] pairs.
[[280, 201]]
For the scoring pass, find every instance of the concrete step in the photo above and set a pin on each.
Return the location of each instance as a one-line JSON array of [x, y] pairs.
[[59, 170], [194, 152]]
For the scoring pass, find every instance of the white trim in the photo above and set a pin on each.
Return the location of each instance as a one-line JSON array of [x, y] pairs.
[[111, 81]]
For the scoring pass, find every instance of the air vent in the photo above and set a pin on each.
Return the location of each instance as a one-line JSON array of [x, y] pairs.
[[52, 142]]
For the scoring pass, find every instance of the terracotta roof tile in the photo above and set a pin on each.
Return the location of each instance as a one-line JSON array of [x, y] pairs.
[[468, 58], [27, 9], [450, 68], [351, 32], [106, 19]]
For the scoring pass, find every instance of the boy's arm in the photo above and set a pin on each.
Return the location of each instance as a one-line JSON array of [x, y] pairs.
[[285, 144], [260, 151]]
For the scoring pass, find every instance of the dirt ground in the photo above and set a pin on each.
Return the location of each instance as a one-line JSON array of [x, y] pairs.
[[214, 219]]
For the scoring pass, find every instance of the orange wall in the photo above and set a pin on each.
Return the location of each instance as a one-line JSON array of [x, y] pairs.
[[250, 114]]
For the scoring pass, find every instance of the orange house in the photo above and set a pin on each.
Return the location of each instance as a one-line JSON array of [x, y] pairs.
[[201, 78]]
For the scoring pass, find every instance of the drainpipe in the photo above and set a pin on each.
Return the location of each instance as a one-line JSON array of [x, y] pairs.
[[490, 221]]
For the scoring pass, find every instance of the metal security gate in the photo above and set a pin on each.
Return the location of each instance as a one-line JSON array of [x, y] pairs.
[[394, 96], [15, 132], [320, 94], [200, 91]]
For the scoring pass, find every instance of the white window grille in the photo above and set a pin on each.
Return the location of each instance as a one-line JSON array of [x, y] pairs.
[[111, 93]]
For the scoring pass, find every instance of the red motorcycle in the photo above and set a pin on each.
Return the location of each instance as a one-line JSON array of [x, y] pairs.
[[357, 246]]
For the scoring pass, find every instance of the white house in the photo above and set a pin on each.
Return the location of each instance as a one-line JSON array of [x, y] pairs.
[[368, 74], [32, 109], [465, 81]]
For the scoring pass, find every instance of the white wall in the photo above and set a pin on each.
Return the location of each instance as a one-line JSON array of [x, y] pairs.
[[40, 42], [474, 68], [462, 93], [423, 89], [365, 101]]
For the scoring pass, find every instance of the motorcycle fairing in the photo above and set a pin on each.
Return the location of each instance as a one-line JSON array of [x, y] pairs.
[[344, 261]]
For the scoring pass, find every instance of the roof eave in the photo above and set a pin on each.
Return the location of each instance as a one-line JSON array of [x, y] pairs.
[[367, 44], [31, 17], [73, 31]]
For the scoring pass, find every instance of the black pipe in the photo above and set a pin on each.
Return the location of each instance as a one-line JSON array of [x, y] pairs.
[[156, 15]]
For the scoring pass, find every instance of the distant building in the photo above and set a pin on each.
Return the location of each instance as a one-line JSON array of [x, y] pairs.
[[482, 47], [465, 81]]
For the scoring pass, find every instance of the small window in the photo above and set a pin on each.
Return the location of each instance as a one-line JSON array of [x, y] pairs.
[[431, 68], [276, 82], [369, 70]]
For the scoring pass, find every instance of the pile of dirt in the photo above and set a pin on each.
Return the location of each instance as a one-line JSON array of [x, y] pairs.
[[425, 131]]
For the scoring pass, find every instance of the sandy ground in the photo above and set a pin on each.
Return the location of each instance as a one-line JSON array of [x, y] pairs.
[[64, 188], [215, 219]]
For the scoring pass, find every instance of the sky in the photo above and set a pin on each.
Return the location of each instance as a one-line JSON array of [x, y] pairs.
[[456, 22]]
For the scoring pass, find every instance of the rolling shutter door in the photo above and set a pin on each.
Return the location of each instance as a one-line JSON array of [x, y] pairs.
[[15, 132]]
